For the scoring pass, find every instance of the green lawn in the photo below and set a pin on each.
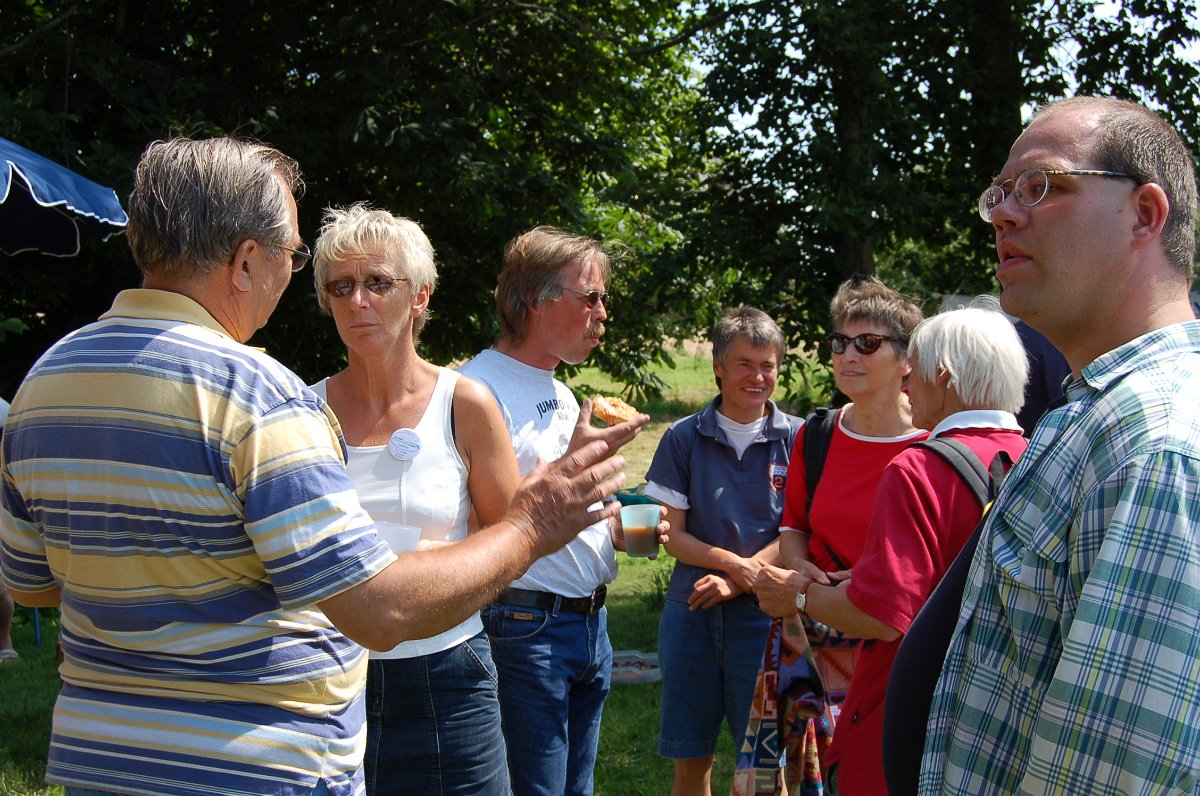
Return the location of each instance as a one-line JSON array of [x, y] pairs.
[[628, 763]]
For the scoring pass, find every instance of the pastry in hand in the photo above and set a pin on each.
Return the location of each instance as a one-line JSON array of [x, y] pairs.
[[612, 410]]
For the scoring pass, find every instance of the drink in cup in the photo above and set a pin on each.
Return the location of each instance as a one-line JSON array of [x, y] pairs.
[[640, 522]]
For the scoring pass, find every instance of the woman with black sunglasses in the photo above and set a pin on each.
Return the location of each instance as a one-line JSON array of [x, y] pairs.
[[822, 538]]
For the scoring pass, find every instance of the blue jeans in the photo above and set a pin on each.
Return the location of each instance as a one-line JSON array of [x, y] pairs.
[[709, 660], [555, 672], [433, 724]]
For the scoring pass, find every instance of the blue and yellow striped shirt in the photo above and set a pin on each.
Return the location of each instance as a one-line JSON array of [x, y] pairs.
[[188, 495]]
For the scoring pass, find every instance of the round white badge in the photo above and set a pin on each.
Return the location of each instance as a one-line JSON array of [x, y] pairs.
[[404, 444]]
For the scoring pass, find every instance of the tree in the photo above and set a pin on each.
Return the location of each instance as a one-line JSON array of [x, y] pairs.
[[850, 137], [477, 118]]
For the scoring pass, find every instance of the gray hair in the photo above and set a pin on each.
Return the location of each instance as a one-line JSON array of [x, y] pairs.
[[193, 202], [751, 323], [532, 263], [1135, 140], [360, 229], [980, 349]]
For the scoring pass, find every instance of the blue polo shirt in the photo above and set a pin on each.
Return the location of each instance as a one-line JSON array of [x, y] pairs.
[[734, 504]]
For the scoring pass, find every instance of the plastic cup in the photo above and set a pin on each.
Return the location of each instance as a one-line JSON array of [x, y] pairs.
[[640, 522]]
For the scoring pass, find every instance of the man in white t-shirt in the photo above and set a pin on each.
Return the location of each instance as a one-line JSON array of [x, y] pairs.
[[549, 628]]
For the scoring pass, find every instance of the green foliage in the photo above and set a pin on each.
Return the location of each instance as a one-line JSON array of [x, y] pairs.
[[477, 118]]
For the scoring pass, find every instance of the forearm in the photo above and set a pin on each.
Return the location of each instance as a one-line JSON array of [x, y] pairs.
[[831, 606], [423, 593], [690, 550], [793, 548]]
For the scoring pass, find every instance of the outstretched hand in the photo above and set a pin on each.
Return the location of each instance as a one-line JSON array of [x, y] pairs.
[[551, 503], [615, 436]]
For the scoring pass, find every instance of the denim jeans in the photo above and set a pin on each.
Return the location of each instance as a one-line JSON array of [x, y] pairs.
[[709, 660], [433, 724], [555, 672]]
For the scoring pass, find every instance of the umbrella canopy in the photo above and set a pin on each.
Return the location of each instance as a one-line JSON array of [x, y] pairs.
[[43, 205]]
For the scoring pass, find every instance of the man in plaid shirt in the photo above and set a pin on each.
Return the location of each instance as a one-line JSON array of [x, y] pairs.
[[1075, 663]]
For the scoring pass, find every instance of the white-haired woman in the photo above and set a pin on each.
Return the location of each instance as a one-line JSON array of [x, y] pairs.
[[431, 458], [967, 382]]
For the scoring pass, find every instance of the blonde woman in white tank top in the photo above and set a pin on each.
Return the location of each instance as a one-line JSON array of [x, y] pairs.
[[432, 460]]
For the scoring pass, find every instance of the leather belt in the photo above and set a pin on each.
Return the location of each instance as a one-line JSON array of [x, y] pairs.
[[554, 602]]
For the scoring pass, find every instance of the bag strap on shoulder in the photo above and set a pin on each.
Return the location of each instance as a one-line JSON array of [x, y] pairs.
[[818, 434], [983, 483]]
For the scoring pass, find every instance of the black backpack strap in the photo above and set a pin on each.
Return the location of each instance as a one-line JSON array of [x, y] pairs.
[[818, 434], [966, 464]]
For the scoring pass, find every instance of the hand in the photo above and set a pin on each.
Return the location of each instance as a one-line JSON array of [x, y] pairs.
[[616, 436], [840, 575], [551, 504], [776, 589], [744, 571], [712, 589], [616, 530]]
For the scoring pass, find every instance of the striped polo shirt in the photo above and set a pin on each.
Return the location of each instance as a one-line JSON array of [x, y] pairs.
[[188, 495]]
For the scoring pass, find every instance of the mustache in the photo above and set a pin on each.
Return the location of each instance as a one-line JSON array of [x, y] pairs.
[[596, 330]]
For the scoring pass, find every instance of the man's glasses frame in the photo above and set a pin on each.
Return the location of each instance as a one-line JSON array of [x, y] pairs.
[[379, 285], [1031, 186], [865, 343], [590, 297], [300, 257]]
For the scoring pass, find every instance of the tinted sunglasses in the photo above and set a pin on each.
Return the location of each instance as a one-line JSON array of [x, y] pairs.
[[864, 343], [591, 299], [340, 288]]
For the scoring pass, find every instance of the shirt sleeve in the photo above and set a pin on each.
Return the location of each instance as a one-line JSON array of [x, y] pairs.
[[300, 508], [1122, 710]]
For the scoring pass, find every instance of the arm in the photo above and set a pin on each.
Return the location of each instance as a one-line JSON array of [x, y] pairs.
[[422, 593], [830, 605], [486, 448], [793, 550], [690, 550]]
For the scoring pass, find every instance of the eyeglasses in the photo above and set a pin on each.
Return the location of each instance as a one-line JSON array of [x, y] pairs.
[[865, 343], [1031, 187], [300, 257], [591, 298], [379, 285]]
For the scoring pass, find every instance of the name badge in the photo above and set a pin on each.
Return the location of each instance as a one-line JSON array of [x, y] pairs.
[[404, 444]]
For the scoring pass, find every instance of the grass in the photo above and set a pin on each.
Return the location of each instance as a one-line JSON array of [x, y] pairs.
[[628, 763]]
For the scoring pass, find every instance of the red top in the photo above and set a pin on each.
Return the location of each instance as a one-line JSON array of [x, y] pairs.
[[841, 510], [926, 514]]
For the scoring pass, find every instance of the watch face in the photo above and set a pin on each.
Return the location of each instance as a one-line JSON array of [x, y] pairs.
[[801, 601]]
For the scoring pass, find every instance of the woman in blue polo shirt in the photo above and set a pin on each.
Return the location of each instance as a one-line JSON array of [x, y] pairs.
[[720, 474]]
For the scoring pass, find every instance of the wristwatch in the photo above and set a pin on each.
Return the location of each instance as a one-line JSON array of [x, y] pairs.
[[801, 602]]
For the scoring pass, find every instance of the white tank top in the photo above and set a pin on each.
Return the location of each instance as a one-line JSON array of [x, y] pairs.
[[426, 491]]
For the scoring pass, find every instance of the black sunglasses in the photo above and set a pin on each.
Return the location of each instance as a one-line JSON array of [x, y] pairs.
[[591, 298], [865, 343], [340, 288]]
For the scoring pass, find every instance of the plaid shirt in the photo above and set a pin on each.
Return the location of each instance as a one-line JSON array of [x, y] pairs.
[[1075, 664]]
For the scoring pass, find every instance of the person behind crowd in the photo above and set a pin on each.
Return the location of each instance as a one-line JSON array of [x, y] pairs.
[[1072, 667], [184, 497], [1047, 370], [549, 629], [967, 380], [720, 473], [426, 449]]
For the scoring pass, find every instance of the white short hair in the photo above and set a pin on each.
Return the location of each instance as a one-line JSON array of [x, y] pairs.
[[979, 347]]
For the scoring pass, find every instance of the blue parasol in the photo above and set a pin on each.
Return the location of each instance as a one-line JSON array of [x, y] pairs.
[[43, 205]]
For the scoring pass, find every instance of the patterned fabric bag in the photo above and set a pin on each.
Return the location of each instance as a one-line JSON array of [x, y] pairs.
[[789, 730]]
